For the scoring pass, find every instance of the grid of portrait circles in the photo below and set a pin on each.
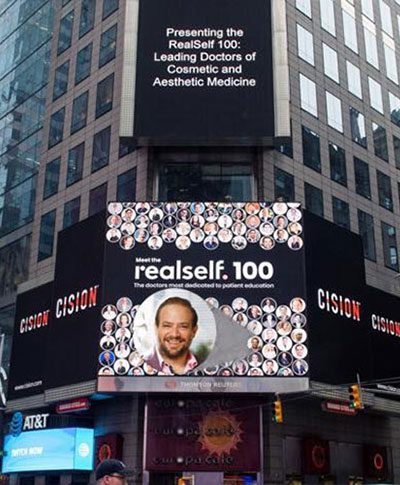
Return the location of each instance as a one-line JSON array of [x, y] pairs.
[[208, 223], [276, 346]]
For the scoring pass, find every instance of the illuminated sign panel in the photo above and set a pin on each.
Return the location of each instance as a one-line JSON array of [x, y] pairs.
[[204, 72], [203, 296], [49, 449]]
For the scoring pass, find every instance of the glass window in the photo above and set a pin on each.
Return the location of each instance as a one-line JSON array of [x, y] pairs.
[[305, 44], [386, 18], [390, 246], [357, 125], [341, 213], [391, 63], [61, 80], [396, 147], [354, 79], [101, 149], [380, 142], [109, 6], [108, 45], [104, 98], [367, 8], [205, 181], [65, 33], [371, 48], [83, 63], [46, 237], [284, 185], [304, 6], [51, 178], [79, 112], [361, 175], [97, 199], [75, 164], [331, 68], [384, 191], [375, 95], [14, 265], [350, 31], [308, 95], [126, 186], [311, 149], [71, 212], [334, 111], [314, 200], [366, 231], [126, 145], [328, 16], [56, 129], [337, 159], [88, 11], [394, 104]]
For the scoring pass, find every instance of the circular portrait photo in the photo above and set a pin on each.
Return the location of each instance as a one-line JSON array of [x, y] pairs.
[[124, 320], [240, 367], [107, 358], [255, 372], [109, 312], [108, 327], [123, 334], [136, 371], [107, 342], [269, 320], [174, 331], [299, 351], [285, 359], [269, 351], [298, 320], [254, 344], [254, 327], [267, 243], [124, 304], [114, 221], [279, 208], [255, 360], [270, 367], [269, 335], [298, 305], [114, 208], [268, 305], [299, 335], [128, 214], [113, 235], [295, 243], [284, 343], [127, 242], [239, 304], [106, 371], [121, 366], [300, 367], [135, 359]]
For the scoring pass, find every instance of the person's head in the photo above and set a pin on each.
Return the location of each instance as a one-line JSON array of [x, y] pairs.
[[112, 472], [176, 327], [108, 326], [255, 344]]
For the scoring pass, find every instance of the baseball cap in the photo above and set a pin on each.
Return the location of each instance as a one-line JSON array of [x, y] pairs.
[[112, 467]]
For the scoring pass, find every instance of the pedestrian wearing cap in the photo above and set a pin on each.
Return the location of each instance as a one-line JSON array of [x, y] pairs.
[[112, 472]]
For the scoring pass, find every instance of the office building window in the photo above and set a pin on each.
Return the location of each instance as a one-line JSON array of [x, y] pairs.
[[51, 178], [375, 95], [396, 147], [304, 6], [380, 142], [386, 18], [314, 199], [361, 175], [126, 186], [371, 48], [337, 159], [331, 67], [341, 213], [71, 212], [354, 79], [308, 95], [101, 149], [56, 129], [394, 105], [350, 31], [390, 255], [366, 231], [384, 190], [61, 80], [305, 44], [126, 145], [88, 12], [83, 63], [46, 236], [109, 7], [284, 185], [367, 8], [65, 33], [79, 112], [108, 45], [357, 126], [311, 149], [104, 98], [391, 63], [334, 112], [328, 16], [97, 199], [75, 164]]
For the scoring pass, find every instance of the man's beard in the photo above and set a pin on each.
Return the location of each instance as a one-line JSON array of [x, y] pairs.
[[174, 354]]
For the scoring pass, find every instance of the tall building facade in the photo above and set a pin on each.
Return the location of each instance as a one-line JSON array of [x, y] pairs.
[[62, 158]]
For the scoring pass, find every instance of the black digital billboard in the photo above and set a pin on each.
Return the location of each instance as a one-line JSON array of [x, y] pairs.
[[32, 323], [203, 296], [204, 72]]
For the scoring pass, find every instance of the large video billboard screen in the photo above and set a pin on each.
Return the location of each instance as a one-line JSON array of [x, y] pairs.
[[203, 296], [204, 72]]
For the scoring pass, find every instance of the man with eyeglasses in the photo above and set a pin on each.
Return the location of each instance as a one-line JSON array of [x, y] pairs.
[[112, 472]]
